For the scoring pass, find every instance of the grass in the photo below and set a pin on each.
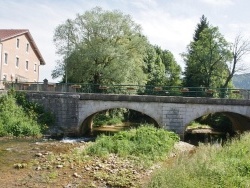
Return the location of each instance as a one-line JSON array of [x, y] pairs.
[[211, 166], [145, 142], [196, 125], [140, 147]]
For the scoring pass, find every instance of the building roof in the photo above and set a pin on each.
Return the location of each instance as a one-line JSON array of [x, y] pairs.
[[6, 34]]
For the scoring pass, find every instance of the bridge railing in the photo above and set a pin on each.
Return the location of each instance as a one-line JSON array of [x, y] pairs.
[[130, 89]]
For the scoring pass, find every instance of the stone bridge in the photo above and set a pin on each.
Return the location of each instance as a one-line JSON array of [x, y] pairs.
[[74, 112]]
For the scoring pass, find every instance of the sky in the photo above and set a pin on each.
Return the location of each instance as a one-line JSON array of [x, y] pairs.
[[169, 24]]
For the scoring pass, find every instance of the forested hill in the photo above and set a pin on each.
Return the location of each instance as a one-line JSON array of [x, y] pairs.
[[242, 81]]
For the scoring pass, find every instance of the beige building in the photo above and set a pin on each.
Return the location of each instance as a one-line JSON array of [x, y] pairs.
[[20, 58]]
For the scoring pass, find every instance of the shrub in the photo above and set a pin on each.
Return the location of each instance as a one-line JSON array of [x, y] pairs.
[[34, 110], [145, 142], [14, 120]]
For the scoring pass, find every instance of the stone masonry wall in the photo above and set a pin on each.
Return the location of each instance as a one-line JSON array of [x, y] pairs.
[[65, 109]]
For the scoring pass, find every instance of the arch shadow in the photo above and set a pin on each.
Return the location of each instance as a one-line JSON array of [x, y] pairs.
[[239, 124], [86, 125]]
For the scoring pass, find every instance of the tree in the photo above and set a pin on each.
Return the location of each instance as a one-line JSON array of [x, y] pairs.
[[101, 47], [155, 69], [162, 69], [172, 69], [191, 72], [200, 27], [240, 48], [206, 59]]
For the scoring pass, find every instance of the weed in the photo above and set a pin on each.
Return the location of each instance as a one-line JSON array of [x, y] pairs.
[[211, 166], [145, 142]]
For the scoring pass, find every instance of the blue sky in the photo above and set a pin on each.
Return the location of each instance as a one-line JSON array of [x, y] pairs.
[[167, 23]]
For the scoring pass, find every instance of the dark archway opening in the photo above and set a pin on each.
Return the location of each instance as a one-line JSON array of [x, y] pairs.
[[211, 128], [110, 121]]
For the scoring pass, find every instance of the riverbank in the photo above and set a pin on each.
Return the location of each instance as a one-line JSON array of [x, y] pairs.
[[50, 163]]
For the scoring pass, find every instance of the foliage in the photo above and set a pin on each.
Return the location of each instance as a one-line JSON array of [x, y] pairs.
[[103, 119], [197, 125], [218, 121], [155, 68], [162, 69], [34, 110], [172, 69], [101, 47], [206, 58], [119, 115], [109, 117], [204, 24], [145, 142], [211, 166], [14, 121]]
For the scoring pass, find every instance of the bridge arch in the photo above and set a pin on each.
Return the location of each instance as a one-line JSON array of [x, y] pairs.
[[86, 123], [240, 118]]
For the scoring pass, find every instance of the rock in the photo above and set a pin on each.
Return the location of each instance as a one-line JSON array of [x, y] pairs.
[[100, 165], [38, 154], [38, 168], [76, 175], [87, 168], [20, 165], [58, 158], [184, 147], [68, 186], [59, 166], [49, 167]]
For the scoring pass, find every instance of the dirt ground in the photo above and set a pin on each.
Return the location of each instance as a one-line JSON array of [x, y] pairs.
[[35, 164]]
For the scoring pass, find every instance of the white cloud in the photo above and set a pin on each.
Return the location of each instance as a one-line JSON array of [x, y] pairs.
[[218, 2], [144, 4]]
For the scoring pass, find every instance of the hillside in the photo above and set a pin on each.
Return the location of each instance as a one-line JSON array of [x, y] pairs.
[[242, 81]]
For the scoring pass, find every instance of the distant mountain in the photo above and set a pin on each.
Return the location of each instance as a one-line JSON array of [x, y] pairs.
[[242, 81]]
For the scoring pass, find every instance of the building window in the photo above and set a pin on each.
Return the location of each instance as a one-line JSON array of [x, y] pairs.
[[17, 43], [17, 61], [5, 58], [27, 47], [35, 68], [27, 65]]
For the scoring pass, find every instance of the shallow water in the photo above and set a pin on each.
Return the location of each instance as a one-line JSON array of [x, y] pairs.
[[81, 139]]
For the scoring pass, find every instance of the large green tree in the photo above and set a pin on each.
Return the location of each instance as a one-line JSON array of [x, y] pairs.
[[101, 47], [172, 69], [162, 69], [200, 27], [206, 58], [155, 69]]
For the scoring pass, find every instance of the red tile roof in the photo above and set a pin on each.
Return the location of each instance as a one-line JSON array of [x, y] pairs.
[[6, 34]]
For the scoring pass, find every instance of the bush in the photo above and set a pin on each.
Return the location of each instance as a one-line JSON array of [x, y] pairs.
[[34, 110], [145, 142], [14, 120], [211, 166]]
